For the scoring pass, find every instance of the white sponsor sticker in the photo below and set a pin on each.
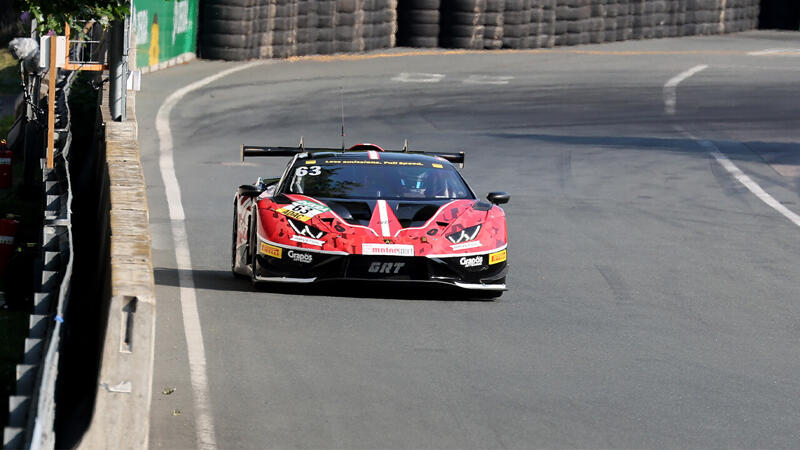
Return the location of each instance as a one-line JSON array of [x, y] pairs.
[[6, 240], [466, 245], [471, 262], [300, 257], [5, 161], [387, 249], [305, 240]]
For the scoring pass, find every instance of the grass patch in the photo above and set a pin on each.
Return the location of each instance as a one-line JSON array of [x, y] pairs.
[[9, 73], [5, 125]]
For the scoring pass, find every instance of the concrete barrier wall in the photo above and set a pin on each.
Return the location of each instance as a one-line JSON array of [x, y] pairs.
[[248, 29], [121, 410]]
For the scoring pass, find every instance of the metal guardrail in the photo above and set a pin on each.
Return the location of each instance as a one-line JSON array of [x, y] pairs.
[[32, 408]]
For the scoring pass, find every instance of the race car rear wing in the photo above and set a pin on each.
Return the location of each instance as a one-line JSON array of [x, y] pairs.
[[256, 150]]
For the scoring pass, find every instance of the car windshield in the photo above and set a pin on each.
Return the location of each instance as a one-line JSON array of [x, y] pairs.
[[376, 179]]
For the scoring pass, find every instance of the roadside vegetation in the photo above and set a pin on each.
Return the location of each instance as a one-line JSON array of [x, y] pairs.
[[9, 73]]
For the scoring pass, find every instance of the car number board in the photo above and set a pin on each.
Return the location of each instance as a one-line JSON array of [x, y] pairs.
[[303, 210]]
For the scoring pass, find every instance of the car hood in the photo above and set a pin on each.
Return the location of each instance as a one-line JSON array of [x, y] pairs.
[[356, 226]]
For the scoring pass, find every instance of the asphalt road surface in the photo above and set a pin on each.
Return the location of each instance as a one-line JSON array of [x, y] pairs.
[[654, 297]]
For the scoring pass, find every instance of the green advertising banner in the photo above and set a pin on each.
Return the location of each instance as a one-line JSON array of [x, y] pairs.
[[164, 30]]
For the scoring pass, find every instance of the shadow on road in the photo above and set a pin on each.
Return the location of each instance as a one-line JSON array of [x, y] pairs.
[[223, 280], [788, 150]]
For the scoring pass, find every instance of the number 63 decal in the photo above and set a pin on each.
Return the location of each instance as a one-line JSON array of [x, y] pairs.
[[303, 171]]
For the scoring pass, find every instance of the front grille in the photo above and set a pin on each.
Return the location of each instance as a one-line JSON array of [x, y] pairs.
[[387, 268]]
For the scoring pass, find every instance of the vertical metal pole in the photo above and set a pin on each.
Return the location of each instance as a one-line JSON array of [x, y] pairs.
[[51, 103], [116, 69], [33, 144]]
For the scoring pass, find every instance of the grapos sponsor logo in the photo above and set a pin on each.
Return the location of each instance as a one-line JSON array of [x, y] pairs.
[[471, 262], [300, 257]]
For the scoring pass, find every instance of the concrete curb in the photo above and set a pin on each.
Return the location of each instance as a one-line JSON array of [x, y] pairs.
[[121, 417]]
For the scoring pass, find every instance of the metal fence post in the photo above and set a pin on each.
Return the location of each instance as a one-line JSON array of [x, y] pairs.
[[117, 70]]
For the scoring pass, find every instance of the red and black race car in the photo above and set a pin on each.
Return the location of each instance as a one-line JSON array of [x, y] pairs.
[[369, 214]]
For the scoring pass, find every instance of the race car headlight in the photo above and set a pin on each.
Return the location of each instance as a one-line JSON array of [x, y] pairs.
[[467, 234], [304, 229]]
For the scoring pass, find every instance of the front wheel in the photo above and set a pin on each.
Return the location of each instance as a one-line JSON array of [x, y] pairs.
[[253, 247], [233, 243]]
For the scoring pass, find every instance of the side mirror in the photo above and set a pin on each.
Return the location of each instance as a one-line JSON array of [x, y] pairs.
[[248, 190], [498, 198]]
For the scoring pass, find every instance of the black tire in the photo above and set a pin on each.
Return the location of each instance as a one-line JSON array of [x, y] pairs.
[[515, 18], [513, 6], [305, 49], [306, 36], [343, 34], [463, 18], [280, 38], [323, 47], [468, 31], [579, 26], [493, 19], [419, 4], [597, 37], [463, 42], [345, 6], [283, 24], [344, 46], [492, 44], [493, 33], [252, 248], [229, 12], [240, 3], [567, 13], [418, 16], [515, 31], [227, 40], [233, 243], [379, 17], [420, 41], [324, 22], [226, 54], [283, 50], [345, 20], [495, 5], [325, 34], [462, 5]]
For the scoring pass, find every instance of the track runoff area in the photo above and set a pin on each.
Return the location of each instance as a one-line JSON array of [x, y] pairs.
[[653, 249]]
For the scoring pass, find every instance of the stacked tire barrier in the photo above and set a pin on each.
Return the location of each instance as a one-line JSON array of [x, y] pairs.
[[418, 23], [463, 23], [248, 29], [520, 24]]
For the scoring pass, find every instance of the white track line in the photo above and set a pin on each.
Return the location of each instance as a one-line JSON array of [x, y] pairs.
[[777, 52], [204, 423], [740, 176], [407, 77], [671, 88], [670, 97], [487, 79]]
